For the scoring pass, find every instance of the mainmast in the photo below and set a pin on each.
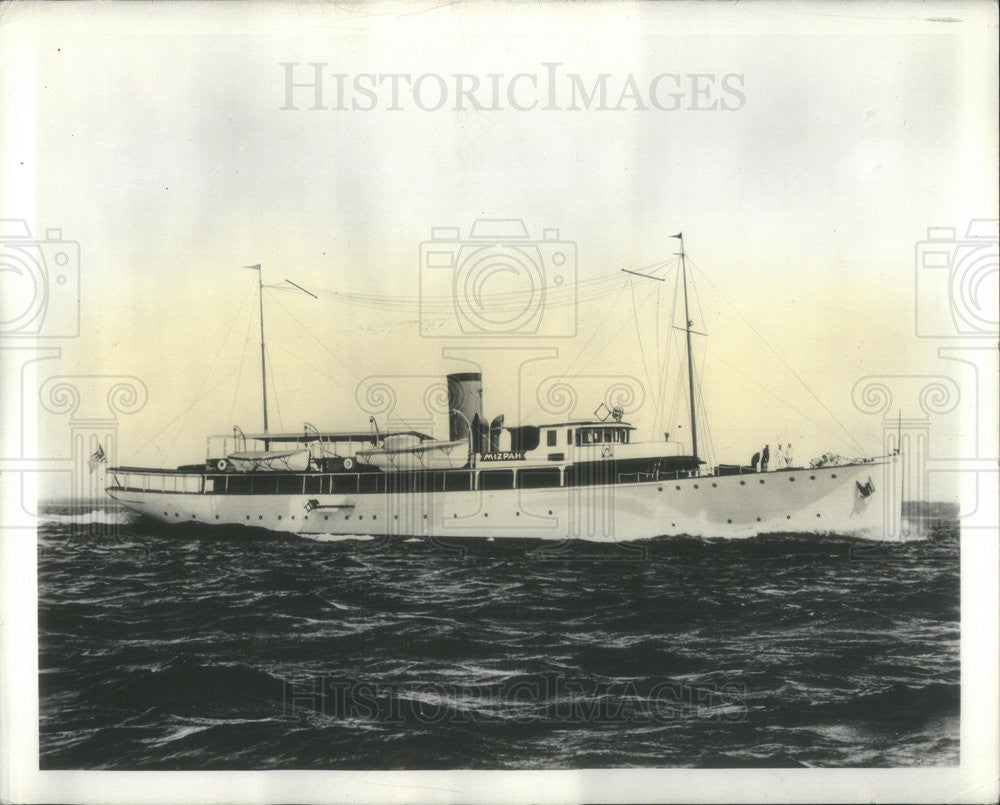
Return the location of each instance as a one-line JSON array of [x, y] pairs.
[[687, 330], [260, 302]]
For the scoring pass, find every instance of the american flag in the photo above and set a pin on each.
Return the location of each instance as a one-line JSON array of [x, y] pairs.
[[97, 458]]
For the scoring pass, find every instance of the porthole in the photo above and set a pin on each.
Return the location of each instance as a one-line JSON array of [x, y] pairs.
[[762, 480], [550, 511], [788, 517], [673, 525], [791, 478], [758, 519], [812, 477], [395, 517], [729, 521], [659, 489], [743, 483], [817, 514], [361, 517], [696, 486], [293, 516], [486, 514], [216, 517], [259, 517], [248, 517], [165, 514], [677, 487], [714, 485], [346, 517], [425, 516], [517, 514], [326, 516], [279, 516], [834, 475], [455, 515], [374, 517]]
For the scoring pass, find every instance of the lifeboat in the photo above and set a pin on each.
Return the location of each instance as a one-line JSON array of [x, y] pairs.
[[269, 460], [408, 452]]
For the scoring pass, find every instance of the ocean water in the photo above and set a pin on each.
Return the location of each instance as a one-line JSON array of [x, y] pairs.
[[182, 647]]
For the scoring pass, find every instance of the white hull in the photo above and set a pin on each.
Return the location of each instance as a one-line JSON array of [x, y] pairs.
[[817, 501]]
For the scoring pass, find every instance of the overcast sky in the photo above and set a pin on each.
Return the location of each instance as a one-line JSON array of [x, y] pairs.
[[803, 150]]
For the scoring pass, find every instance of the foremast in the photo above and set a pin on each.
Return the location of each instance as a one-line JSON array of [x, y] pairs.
[[690, 358], [687, 331]]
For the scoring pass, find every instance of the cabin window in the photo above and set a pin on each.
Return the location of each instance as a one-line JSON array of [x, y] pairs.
[[399, 482], [289, 484], [550, 438], [589, 473], [538, 478], [369, 481], [457, 481], [569, 436], [341, 484], [496, 479], [238, 485]]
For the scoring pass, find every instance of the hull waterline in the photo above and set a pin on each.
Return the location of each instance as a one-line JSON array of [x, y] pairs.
[[858, 500]]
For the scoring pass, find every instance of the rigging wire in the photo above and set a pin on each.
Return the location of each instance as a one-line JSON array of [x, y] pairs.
[[239, 376], [320, 343], [638, 331], [665, 373], [678, 387], [765, 389], [551, 296], [593, 335], [211, 366], [194, 402], [350, 371], [274, 387], [784, 362], [316, 369], [703, 410]]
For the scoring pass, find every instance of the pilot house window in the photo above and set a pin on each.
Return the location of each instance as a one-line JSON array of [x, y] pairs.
[[550, 438], [601, 436]]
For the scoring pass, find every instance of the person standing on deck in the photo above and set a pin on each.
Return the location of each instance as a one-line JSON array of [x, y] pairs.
[[754, 460], [779, 456], [788, 455], [765, 457]]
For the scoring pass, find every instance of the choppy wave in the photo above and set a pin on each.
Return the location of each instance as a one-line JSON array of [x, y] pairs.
[[96, 516], [192, 648]]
